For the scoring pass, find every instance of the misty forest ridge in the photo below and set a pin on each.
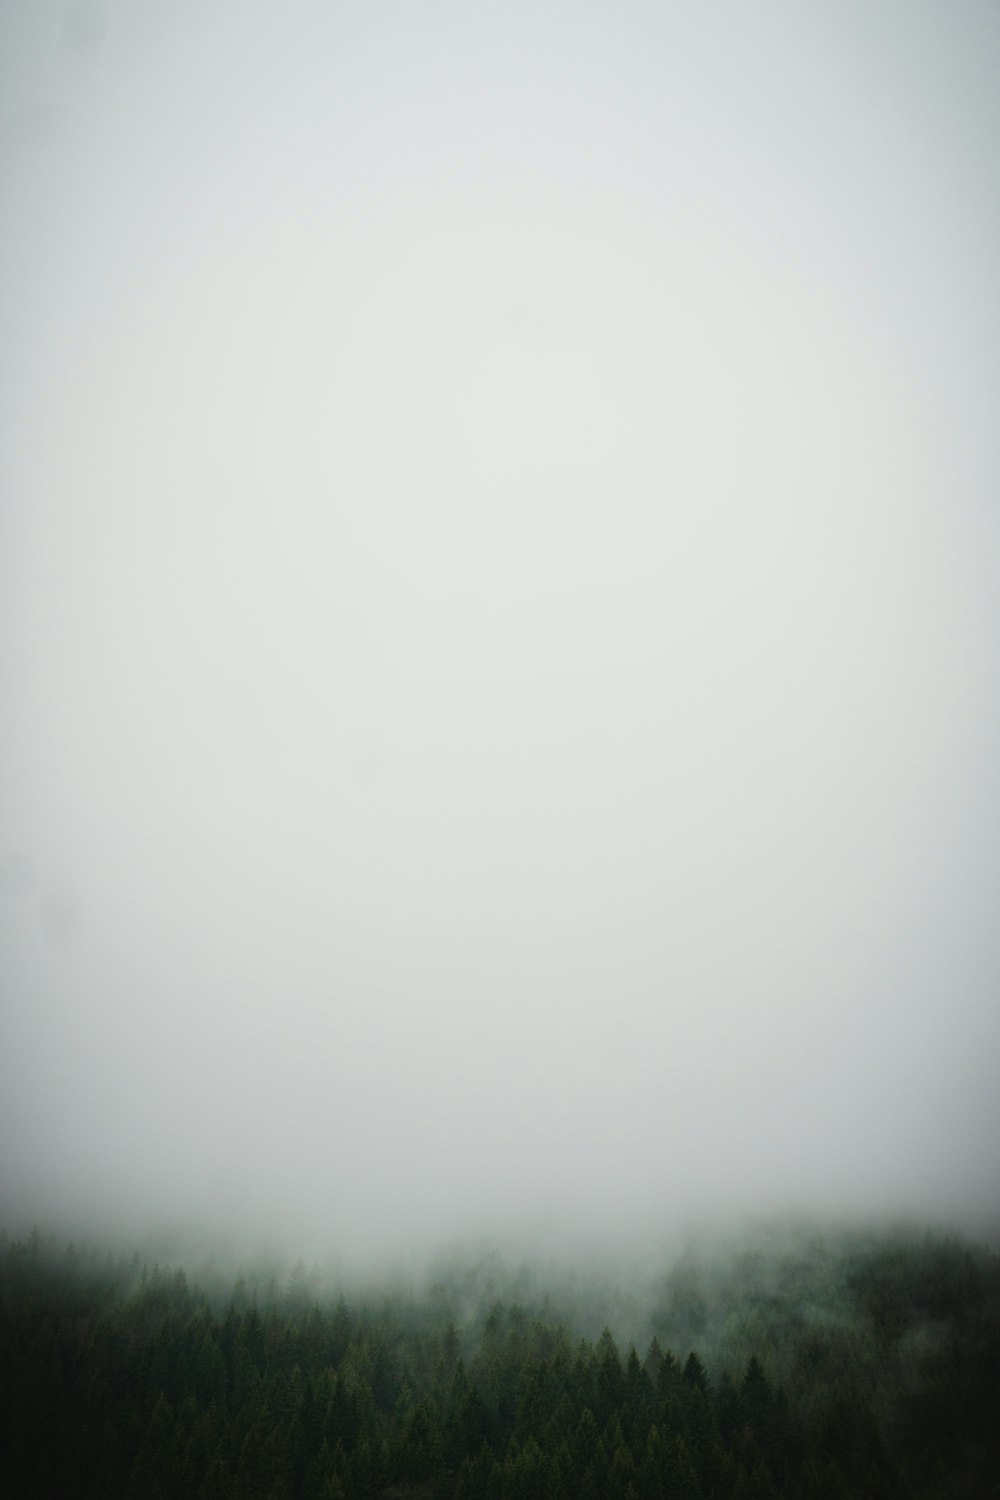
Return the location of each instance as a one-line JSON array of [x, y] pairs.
[[829, 1368]]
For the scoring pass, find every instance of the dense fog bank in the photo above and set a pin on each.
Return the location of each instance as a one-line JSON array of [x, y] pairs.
[[499, 617]]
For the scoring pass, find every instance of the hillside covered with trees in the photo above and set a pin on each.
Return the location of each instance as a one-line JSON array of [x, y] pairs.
[[863, 1366]]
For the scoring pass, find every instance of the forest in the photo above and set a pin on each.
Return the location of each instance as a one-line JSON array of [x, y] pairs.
[[813, 1365]]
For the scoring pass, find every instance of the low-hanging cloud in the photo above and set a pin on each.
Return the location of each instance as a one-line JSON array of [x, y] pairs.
[[499, 618]]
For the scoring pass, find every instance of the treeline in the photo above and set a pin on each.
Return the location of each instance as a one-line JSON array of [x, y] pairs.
[[871, 1370]]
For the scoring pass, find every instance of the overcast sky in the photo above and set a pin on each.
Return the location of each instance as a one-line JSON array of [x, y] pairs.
[[500, 608]]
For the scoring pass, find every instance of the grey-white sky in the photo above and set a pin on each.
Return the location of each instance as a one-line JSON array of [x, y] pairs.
[[500, 605]]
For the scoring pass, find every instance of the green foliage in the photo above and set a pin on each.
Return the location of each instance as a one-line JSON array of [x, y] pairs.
[[869, 1372]]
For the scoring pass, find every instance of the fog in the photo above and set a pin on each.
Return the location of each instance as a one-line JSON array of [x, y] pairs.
[[499, 616]]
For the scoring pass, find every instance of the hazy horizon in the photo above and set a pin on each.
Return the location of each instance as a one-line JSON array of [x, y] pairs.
[[500, 609]]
